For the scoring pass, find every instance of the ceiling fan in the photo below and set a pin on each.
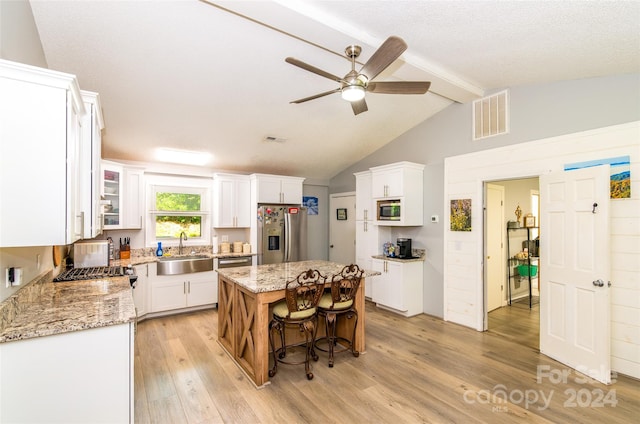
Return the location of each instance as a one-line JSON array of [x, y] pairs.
[[354, 85]]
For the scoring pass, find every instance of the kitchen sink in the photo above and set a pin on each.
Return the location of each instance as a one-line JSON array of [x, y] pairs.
[[173, 265]]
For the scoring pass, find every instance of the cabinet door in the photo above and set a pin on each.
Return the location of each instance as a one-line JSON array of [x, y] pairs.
[[269, 190], [202, 291], [140, 292], [168, 293], [75, 213], [133, 206], [231, 201], [112, 177], [364, 203], [243, 203], [379, 281], [394, 290], [224, 203], [387, 183], [291, 191], [388, 288], [90, 180]]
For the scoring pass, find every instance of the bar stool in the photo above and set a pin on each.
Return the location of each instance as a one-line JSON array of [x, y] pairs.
[[299, 308], [340, 302]]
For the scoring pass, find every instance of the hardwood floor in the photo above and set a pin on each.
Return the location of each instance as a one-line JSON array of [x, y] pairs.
[[518, 322], [415, 370]]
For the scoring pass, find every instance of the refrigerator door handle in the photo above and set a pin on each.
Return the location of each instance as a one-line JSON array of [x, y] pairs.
[[287, 237]]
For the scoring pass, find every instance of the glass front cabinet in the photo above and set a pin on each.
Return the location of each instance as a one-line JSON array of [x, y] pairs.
[[112, 176]]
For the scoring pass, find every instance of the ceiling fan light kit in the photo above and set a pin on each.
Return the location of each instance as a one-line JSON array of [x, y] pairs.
[[353, 93], [355, 84]]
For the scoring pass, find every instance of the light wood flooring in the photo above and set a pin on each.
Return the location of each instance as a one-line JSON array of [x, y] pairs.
[[415, 370], [518, 322]]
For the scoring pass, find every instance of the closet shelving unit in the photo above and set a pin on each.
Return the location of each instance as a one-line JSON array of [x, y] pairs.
[[512, 261]]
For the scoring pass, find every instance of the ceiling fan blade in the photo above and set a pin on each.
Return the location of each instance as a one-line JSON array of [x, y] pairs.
[[359, 106], [311, 68], [386, 54], [399, 87], [306, 99]]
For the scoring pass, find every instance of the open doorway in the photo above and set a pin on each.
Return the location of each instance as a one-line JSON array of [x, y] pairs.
[[511, 259]]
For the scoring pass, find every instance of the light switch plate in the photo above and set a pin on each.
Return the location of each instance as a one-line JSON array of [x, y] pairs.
[[434, 218]]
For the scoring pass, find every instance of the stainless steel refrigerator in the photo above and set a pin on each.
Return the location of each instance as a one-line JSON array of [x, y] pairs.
[[282, 234]]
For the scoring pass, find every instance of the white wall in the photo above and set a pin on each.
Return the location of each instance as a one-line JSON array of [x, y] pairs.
[[463, 251]]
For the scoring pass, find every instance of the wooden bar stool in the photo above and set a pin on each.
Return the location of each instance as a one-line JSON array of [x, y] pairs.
[[340, 302], [298, 309]]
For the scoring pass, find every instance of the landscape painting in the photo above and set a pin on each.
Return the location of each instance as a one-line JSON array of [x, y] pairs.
[[461, 215], [620, 182]]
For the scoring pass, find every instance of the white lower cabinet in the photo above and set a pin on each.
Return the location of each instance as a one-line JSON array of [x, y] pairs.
[[141, 291], [170, 292], [399, 287], [78, 377]]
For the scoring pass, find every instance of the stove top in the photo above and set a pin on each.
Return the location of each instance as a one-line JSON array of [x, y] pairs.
[[90, 273]]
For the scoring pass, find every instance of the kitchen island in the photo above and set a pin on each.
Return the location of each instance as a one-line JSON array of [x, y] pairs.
[[245, 296]]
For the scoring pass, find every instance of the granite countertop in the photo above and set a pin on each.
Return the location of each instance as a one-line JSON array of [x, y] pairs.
[[145, 258], [418, 256], [44, 308], [272, 277]]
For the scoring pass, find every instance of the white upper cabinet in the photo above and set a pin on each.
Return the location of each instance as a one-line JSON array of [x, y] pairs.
[[123, 190], [402, 182], [133, 208], [41, 113], [90, 179], [365, 211], [397, 180], [276, 189], [231, 197]]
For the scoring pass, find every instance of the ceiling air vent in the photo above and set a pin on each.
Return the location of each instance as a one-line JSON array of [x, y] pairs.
[[273, 139], [490, 115]]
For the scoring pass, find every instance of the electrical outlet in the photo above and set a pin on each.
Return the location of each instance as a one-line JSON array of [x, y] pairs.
[[38, 262], [225, 238]]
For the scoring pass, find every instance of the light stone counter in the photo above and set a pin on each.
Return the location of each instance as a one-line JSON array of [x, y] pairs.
[[148, 255], [272, 277], [44, 308]]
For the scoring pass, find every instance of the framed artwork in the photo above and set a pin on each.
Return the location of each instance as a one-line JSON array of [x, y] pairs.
[[341, 214], [620, 174], [461, 215], [529, 221], [311, 202]]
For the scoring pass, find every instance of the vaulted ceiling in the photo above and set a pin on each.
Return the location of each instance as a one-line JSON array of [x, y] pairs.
[[210, 76]]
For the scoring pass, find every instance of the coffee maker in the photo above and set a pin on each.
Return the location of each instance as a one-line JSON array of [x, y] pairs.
[[404, 248]]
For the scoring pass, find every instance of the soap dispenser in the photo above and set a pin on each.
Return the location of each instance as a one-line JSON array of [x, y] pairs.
[[159, 251]]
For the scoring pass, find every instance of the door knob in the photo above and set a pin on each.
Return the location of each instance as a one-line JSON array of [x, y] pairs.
[[598, 283]]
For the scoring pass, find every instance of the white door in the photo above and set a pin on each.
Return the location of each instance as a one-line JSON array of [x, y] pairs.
[[342, 243], [574, 270], [494, 248]]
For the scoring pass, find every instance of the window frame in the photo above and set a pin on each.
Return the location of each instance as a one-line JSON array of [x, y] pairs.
[[170, 184]]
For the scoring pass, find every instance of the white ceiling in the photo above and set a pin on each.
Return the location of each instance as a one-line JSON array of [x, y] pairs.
[[210, 76]]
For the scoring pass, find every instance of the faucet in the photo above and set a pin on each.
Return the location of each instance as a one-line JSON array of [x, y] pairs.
[[182, 234]]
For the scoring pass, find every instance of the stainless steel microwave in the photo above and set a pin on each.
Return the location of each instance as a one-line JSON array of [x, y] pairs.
[[389, 210]]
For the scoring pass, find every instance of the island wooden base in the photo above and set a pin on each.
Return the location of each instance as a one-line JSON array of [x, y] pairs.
[[243, 327]]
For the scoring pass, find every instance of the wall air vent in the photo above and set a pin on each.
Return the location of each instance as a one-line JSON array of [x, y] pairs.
[[491, 115]]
